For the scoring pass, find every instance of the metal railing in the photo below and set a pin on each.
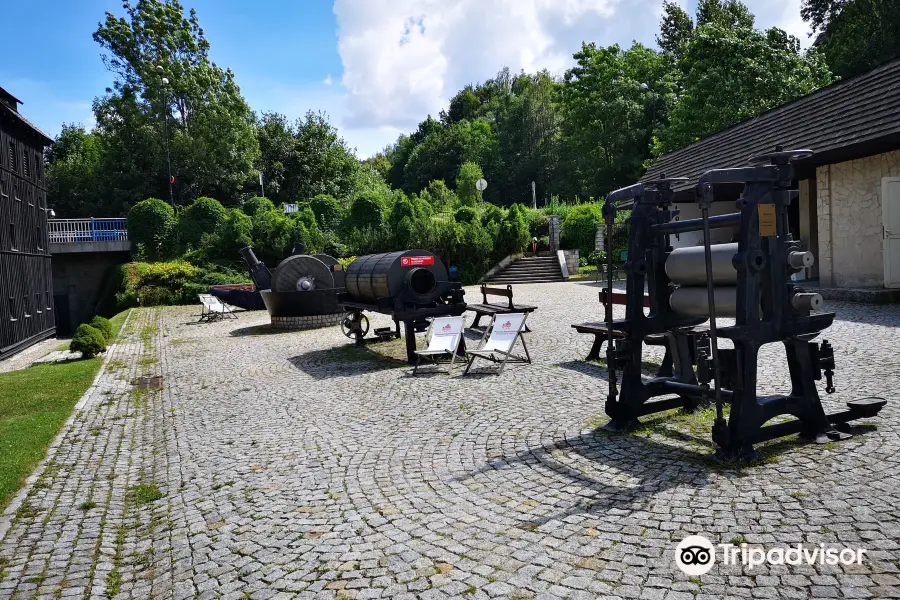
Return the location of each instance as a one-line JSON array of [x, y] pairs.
[[87, 230]]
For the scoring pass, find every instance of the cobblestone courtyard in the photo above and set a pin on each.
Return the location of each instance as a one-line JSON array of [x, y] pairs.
[[291, 465]]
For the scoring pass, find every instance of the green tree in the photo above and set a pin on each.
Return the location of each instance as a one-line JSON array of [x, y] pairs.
[[211, 134], [730, 74], [73, 170], [150, 225], [469, 174], [236, 233], [675, 29], [580, 227], [513, 235], [855, 35], [612, 100]]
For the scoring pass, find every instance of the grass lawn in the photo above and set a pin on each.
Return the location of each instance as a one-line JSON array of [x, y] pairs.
[[34, 404]]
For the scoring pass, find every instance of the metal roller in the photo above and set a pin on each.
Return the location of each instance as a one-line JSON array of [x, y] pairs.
[[302, 273], [687, 266], [801, 260], [693, 301], [419, 273], [336, 269], [807, 301]]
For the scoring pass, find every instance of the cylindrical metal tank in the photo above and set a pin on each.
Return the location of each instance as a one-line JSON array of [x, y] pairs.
[[694, 302], [687, 266], [388, 275]]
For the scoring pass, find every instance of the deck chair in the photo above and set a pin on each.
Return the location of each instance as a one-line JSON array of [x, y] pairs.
[[498, 342], [443, 337], [208, 310]]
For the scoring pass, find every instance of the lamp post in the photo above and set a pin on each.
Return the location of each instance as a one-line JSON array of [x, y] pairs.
[[160, 71]]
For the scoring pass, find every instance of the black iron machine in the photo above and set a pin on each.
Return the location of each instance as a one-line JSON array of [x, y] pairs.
[[689, 288]]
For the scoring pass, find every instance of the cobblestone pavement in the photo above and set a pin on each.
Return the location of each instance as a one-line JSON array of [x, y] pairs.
[[290, 465]]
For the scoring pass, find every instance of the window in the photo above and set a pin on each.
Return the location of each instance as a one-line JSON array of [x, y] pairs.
[[40, 239], [49, 307], [26, 167], [13, 156], [12, 309], [25, 303], [12, 237]]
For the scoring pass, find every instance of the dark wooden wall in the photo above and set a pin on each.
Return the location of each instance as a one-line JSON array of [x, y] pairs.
[[26, 293]]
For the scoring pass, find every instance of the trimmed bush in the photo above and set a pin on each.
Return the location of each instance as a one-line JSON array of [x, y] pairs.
[[579, 229], [204, 216], [104, 326], [513, 236], [150, 224], [367, 211], [236, 233], [257, 204], [88, 340], [327, 211]]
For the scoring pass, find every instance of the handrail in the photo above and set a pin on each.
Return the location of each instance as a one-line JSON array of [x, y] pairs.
[[87, 230]]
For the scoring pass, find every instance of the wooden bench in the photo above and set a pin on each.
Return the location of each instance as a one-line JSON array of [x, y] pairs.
[[601, 332], [490, 309]]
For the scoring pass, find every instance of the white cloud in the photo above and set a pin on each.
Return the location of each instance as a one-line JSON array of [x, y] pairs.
[[328, 80], [404, 59]]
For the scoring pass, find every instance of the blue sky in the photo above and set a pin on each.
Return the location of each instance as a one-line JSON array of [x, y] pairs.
[[377, 67]]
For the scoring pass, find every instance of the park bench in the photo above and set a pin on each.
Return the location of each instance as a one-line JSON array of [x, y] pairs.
[[601, 332], [491, 309]]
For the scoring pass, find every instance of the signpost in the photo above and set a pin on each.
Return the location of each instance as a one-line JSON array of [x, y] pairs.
[[480, 185]]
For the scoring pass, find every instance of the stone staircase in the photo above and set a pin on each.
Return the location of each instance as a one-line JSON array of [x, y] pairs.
[[528, 269]]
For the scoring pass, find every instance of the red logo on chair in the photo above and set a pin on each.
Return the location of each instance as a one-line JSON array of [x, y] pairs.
[[506, 325], [446, 327]]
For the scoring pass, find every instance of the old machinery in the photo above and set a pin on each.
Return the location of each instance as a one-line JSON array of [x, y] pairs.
[[749, 281]]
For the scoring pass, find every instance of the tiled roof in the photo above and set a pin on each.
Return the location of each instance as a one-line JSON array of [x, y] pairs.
[[847, 113]]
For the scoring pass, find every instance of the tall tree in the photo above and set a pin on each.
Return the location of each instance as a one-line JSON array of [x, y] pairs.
[[675, 29], [612, 100], [73, 168], [729, 72], [211, 135], [856, 35]]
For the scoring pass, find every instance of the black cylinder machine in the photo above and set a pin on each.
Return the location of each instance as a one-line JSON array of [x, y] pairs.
[[689, 288], [410, 286], [302, 291]]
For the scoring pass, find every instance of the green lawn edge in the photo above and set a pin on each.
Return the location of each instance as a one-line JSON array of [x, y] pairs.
[[34, 404]]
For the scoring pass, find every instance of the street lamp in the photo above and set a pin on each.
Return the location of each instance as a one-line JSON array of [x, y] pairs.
[[160, 71]]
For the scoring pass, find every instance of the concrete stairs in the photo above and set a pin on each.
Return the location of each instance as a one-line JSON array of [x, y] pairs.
[[528, 269]]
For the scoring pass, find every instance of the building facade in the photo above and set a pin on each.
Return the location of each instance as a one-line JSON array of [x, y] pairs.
[[26, 293]]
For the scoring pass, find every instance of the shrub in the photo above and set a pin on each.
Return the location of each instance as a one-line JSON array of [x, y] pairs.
[[596, 258], [491, 213], [465, 214], [236, 233], [439, 195], [273, 235], [150, 224], [327, 211], [538, 223], [104, 326], [88, 340], [366, 211], [469, 173], [257, 204], [513, 235], [579, 229], [204, 216], [154, 295]]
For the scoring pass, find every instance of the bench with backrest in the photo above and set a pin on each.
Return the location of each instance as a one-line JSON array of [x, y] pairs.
[[490, 309], [601, 332]]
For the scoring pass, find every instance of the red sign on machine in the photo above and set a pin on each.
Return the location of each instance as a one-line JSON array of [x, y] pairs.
[[416, 261]]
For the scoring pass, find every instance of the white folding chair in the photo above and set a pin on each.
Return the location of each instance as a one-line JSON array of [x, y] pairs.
[[207, 307], [443, 337], [498, 342]]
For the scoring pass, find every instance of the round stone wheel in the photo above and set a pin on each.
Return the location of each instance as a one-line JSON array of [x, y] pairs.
[[294, 273]]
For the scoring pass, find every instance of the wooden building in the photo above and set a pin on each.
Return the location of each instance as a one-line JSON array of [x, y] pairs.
[[26, 294], [848, 212]]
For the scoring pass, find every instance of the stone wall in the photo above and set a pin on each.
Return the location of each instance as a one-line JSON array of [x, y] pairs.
[[573, 260], [309, 322], [848, 206]]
